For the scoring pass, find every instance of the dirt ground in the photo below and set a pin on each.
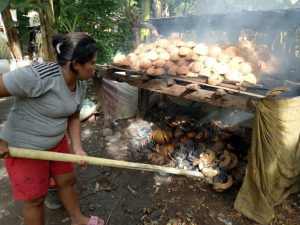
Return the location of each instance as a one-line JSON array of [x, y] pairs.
[[128, 197]]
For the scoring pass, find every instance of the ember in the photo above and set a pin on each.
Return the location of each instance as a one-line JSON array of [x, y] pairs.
[[217, 150]]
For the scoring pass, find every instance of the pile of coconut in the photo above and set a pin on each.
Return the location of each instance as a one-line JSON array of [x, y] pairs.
[[237, 63]]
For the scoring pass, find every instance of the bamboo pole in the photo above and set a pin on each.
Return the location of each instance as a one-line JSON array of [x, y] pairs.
[[63, 157]]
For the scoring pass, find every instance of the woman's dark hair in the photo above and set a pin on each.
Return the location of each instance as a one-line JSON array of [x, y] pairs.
[[77, 46]]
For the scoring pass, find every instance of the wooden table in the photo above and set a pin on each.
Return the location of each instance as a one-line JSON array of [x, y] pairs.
[[221, 96]]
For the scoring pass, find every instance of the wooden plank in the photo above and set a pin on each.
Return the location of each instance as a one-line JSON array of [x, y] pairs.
[[242, 103], [200, 80]]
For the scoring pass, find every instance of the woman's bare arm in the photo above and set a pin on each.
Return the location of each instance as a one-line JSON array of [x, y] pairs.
[[3, 91]]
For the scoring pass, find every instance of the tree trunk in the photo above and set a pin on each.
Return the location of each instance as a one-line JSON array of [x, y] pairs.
[[12, 35], [47, 21], [160, 9], [145, 15], [157, 9]]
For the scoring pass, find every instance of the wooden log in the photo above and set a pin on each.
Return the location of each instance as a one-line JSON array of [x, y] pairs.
[[63, 157]]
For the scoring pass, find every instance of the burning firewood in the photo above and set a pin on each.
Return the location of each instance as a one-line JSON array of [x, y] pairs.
[[228, 160], [220, 187], [161, 136]]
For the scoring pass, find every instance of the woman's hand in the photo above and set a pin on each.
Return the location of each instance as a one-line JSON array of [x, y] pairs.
[[4, 152], [81, 151]]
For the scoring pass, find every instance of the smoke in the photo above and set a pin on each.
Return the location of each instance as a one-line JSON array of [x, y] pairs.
[[230, 6], [272, 23]]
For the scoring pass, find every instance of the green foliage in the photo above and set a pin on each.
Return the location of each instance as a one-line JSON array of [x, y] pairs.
[[107, 21], [182, 8], [3, 4], [23, 31], [188, 7]]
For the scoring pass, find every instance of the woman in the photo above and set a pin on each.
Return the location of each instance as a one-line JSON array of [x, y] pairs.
[[47, 104]]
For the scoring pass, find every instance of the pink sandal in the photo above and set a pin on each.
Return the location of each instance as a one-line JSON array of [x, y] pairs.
[[95, 221]]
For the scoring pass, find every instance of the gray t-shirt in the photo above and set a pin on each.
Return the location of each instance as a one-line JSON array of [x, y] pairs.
[[43, 103]]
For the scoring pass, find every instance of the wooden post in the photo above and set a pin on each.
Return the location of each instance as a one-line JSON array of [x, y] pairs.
[[98, 84], [47, 21], [143, 102], [11, 33]]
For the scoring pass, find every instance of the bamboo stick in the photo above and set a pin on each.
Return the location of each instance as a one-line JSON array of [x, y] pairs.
[[63, 157]]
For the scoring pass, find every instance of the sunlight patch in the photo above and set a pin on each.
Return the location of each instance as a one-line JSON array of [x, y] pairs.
[[87, 133], [3, 173], [4, 213]]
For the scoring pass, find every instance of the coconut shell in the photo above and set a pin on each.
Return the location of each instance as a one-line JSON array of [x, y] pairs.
[[140, 48], [121, 60], [160, 136], [205, 72], [201, 49], [192, 56], [135, 66], [222, 58], [132, 57], [238, 59], [183, 51], [145, 63], [183, 70], [152, 55], [178, 43], [203, 58], [220, 68], [162, 43], [214, 51], [174, 57], [151, 70], [182, 62], [231, 51], [210, 62], [159, 71], [215, 79], [196, 67], [191, 74], [169, 64], [159, 63], [190, 44], [210, 172], [184, 138], [234, 75], [164, 56], [172, 70], [202, 134], [170, 148], [220, 187], [173, 49], [245, 68], [218, 146], [159, 50], [156, 158], [251, 78], [149, 47]]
